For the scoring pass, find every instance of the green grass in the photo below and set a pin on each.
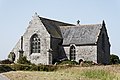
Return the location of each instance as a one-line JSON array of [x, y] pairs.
[[110, 72], [98, 74]]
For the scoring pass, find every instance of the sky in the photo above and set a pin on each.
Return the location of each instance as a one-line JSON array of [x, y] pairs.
[[16, 14]]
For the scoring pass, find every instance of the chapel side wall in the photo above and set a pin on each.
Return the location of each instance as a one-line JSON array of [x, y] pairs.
[[103, 55], [86, 53]]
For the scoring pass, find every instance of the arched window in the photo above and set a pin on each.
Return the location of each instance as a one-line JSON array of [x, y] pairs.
[[72, 53], [35, 44]]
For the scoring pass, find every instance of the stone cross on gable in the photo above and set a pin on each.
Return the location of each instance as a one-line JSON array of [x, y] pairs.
[[36, 14], [78, 22]]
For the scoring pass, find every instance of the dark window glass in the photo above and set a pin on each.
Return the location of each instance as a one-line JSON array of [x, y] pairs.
[[35, 44]]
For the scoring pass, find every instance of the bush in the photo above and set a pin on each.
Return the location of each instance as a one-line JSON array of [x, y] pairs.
[[23, 67], [35, 68], [23, 60], [26, 67], [6, 61], [5, 68], [68, 62], [114, 59], [87, 63], [43, 68]]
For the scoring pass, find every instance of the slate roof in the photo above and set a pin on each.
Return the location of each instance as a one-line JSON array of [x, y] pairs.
[[80, 35], [72, 34], [52, 26]]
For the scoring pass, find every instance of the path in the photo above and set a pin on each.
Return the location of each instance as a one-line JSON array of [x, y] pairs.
[[2, 77]]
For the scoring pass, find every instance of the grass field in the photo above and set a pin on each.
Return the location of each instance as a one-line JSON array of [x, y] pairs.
[[110, 72]]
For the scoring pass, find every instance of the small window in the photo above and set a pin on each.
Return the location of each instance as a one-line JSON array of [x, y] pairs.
[[35, 44], [72, 53]]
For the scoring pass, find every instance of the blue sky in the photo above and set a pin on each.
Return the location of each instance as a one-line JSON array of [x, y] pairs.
[[16, 14]]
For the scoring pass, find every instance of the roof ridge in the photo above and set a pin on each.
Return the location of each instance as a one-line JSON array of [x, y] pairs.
[[76, 26], [84, 25], [89, 24], [55, 20]]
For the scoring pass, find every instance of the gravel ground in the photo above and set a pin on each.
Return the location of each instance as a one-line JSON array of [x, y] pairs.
[[2, 77]]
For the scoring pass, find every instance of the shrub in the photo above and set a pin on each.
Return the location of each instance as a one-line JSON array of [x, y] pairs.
[[68, 62], [5, 68], [26, 67], [87, 63], [6, 61], [50, 68], [23, 60], [23, 67], [114, 59], [35, 68], [43, 68]]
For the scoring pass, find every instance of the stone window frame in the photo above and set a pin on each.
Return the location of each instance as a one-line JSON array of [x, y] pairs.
[[35, 43], [72, 54]]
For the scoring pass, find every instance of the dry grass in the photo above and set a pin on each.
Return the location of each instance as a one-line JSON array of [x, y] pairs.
[[111, 72]]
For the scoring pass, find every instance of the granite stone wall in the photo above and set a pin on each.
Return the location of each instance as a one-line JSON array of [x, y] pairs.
[[86, 53], [35, 27]]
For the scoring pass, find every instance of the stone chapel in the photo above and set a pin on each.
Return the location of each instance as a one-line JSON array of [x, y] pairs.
[[47, 41]]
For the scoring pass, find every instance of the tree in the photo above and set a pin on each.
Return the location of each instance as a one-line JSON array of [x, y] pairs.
[[114, 59]]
